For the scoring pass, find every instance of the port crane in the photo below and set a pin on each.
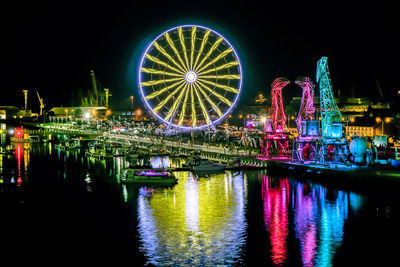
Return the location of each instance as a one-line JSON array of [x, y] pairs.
[[308, 128], [274, 137], [41, 103], [94, 97], [332, 146]]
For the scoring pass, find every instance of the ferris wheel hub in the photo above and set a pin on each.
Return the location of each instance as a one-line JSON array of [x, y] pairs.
[[191, 76]]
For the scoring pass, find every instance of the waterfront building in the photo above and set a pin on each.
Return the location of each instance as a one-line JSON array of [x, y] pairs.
[[8, 112], [78, 113]]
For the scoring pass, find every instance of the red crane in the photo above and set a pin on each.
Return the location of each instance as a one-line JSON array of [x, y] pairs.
[[275, 141], [278, 116]]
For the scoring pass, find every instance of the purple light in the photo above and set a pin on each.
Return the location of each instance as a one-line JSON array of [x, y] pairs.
[[151, 173]]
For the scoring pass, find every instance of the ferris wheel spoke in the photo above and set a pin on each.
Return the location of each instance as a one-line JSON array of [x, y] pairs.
[[149, 83], [171, 43], [182, 39], [153, 71], [220, 97], [215, 45], [203, 43], [203, 108], [193, 43], [162, 103], [222, 86], [158, 61], [225, 77], [220, 56], [162, 50], [174, 107], [225, 66], [159, 92], [210, 101], [182, 115], [194, 120]]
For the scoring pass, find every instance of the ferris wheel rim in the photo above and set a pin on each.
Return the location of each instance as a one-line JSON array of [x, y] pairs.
[[212, 123]]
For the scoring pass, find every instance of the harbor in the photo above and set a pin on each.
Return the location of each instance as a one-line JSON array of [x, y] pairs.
[[200, 134], [76, 189], [232, 159]]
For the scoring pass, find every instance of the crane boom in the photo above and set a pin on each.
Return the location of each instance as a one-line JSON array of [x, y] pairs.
[[41, 103]]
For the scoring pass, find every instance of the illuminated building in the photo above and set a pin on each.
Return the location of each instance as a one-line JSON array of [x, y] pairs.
[[359, 131], [8, 112], [352, 108], [59, 113]]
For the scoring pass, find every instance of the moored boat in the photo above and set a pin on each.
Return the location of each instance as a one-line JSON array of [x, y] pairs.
[[203, 165], [148, 177]]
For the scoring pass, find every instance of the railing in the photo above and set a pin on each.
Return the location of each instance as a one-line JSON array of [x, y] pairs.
[[152, 140]]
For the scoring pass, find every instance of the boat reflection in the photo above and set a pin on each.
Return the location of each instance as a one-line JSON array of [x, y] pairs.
[[318, 219], [198, 221]]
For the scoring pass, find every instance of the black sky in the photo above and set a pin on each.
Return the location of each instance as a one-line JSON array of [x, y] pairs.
[[52, 45]]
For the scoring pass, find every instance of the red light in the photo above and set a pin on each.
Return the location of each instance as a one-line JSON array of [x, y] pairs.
[[18, 133]]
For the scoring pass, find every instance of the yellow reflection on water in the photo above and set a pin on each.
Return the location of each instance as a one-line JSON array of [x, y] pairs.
[[198, 221]]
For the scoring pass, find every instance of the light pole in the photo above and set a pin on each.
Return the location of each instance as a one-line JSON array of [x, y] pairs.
[[131, 97], [379, 120], [242, 117]]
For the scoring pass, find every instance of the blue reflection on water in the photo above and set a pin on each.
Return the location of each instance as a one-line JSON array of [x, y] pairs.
[[319, 221]]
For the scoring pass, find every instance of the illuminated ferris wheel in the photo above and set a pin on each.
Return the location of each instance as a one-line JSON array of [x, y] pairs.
[[190, 77]]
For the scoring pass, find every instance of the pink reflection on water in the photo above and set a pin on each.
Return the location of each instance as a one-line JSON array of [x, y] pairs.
[[18, 155], [275, 201]]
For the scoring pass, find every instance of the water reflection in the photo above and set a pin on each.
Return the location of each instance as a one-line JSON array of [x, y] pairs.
[[199, 222], [318, 219], [275, 202]]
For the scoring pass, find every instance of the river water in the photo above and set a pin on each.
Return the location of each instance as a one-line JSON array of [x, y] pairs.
[[60, 206]]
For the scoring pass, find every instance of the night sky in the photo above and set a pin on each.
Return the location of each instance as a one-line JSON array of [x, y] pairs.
[[52, 46]]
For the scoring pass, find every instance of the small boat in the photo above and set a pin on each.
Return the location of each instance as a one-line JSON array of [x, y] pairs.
[[148, 177], [203, 165]]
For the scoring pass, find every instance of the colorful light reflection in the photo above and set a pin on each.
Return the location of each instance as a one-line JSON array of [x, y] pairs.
[[318, 220], [197, 222], [275, 202]]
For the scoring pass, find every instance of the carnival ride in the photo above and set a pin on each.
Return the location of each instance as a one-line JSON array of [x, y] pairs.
[[275, 140], [190, 77], [308, 128]]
